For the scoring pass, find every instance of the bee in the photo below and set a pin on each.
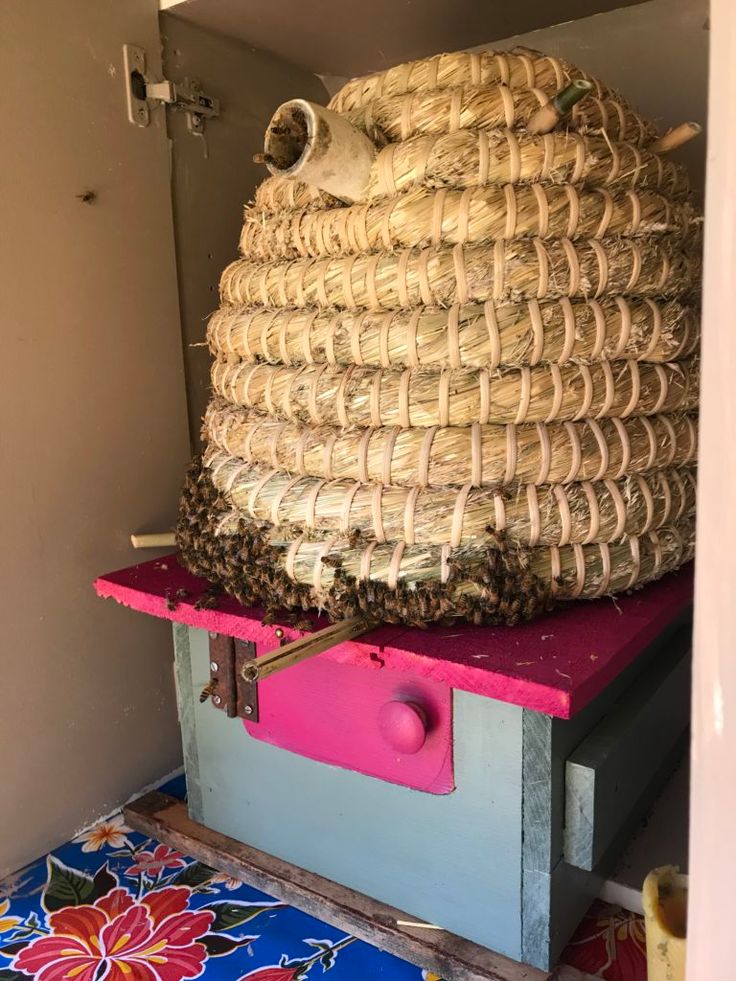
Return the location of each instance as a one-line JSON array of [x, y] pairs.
[[263, 158], [332, 561], [207, 691], [207, 600], [87, 197], [498, 539], [303, 623], [354, 537]]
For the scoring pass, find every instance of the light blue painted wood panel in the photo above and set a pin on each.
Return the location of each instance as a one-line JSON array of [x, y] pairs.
[[185, 706], [454, 860], [612, 769]]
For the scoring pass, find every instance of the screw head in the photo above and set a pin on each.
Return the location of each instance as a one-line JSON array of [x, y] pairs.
[[248, 709], [279, 632], [217, 699], [214, 665]]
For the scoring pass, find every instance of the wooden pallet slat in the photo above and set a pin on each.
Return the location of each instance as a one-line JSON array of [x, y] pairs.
[[453, 958]]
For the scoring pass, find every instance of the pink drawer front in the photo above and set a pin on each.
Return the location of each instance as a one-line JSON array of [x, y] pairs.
[[383, 723]]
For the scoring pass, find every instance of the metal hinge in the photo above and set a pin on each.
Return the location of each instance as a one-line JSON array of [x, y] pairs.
[[229, 687], [186, 96]]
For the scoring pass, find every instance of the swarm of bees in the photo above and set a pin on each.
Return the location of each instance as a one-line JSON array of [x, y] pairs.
[[247, 567]]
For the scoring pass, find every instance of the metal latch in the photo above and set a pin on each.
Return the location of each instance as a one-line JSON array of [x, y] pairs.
[[229, 687], [186, 96]]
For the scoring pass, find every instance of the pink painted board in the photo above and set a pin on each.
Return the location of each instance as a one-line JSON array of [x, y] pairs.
[[326, 711], [556, 664]]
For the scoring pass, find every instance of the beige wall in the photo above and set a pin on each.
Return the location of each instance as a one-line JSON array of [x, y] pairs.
[[93, 439], [349, 37], [210, 192]]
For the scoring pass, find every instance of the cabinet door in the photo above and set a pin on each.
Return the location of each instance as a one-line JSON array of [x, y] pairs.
[[214, 176], [94, 423]]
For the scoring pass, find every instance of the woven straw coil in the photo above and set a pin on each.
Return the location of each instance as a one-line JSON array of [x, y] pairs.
[[477, 158], [473, 391]]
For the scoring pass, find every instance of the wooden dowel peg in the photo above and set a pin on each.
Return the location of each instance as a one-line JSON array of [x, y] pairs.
[[675, 137], [305, 647], [416, 925], [165, 539], [548, 116]]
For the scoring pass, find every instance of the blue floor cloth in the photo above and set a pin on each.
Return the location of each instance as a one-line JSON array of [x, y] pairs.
[[113, 905]]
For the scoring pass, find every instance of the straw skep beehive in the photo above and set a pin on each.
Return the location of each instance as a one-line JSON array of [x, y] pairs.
[[454, 368]]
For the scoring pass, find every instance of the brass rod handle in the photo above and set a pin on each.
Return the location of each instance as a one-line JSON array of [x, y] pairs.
[[305, 647]]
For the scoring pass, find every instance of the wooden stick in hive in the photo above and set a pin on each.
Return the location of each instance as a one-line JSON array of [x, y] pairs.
[[548, 116], [305, 647], [165, 539], [676, 137]]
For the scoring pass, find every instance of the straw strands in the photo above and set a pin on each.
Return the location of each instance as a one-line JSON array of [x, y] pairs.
[[410, 583], [478, 158], [469, 158], [490, 107], [529, 515], [360, 396], [464, 335], [479, 455], [519, 68], [421, 218], [574, 571], [520, 269]]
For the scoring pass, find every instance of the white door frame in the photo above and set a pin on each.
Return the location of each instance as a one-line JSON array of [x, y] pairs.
[[711, 953]]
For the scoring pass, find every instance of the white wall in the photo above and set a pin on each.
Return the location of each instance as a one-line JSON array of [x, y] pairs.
[[710, 952]]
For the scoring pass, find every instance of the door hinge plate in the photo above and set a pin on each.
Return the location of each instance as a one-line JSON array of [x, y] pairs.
[[134, 62], [141, 90]]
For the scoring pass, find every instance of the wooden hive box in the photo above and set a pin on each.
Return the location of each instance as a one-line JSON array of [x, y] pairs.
[[491, 803]]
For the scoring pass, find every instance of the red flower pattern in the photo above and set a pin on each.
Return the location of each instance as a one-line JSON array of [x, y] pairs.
[[610, 943], [296, 970], [273, 974], [151, 863], [119, 939]]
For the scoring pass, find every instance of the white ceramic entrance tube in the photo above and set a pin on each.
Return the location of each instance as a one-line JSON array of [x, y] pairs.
[[307, 142]]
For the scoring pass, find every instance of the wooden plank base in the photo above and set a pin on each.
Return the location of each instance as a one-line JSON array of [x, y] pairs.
[[454, 959]]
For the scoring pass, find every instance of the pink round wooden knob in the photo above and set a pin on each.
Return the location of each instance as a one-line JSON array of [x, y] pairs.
[[403, 726]]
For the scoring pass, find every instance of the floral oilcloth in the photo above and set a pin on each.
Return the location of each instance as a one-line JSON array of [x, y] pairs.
[[113, 905]]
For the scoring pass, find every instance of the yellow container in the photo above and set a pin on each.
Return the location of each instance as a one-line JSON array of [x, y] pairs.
[[664, 896]]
